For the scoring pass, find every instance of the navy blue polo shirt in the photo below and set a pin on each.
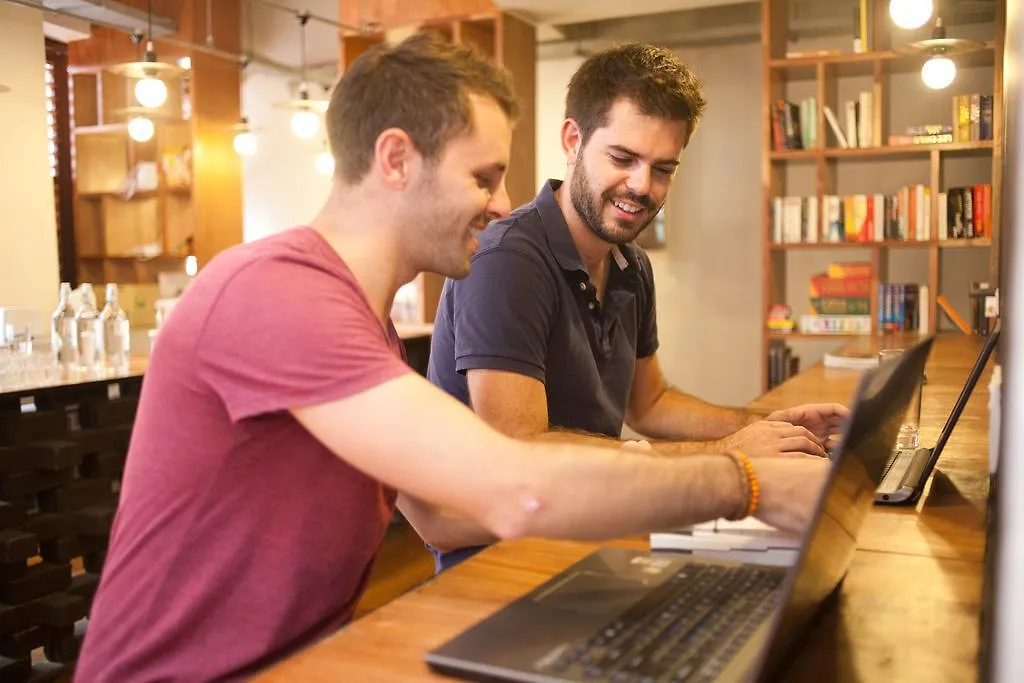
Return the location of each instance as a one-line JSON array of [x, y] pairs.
[[528, 307]]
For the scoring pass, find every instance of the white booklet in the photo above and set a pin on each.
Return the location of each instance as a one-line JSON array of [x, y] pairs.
[[747, 540]]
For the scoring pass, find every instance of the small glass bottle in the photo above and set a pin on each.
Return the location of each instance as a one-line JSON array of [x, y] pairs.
[[86, 331], [62, 329], [115, 332]]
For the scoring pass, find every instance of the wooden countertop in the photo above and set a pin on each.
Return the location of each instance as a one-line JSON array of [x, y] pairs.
[[908, 609]]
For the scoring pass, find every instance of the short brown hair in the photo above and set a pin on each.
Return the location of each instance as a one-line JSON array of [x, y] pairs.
[[422, 86], [652, 78]]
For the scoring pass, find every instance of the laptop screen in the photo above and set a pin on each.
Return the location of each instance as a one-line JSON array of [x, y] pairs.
[[880, 402], [965, 394]]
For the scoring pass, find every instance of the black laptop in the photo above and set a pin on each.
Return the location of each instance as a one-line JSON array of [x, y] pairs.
[[624, 616], [908, 469]]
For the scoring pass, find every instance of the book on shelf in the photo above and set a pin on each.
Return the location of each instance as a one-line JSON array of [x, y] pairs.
[[903, 216], [972, 117], [903, 307], [851, 360], [782, 364], [794, 125], [965, 212], [837, 130], [835, 324]]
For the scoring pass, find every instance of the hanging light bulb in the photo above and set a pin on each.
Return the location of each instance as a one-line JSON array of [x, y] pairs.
[[151, 92], [910, 13], [938, 72], [185, 63], [191, 265], [141, 129], [324, 163], [305, 120], [305, 123], [245, 143]]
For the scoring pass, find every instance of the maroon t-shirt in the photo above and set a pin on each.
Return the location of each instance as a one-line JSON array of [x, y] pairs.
[[239, 537]]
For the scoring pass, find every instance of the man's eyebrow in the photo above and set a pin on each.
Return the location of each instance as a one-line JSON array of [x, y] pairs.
[[627, 151], [497, 166]]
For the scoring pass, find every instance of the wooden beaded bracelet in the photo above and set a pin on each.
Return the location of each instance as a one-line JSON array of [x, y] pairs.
[[748, 480]]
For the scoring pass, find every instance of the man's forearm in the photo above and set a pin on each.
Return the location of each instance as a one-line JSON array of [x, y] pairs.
[[681, 417]]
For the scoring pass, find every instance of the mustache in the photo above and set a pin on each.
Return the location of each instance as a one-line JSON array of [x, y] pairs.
[[641, 200]]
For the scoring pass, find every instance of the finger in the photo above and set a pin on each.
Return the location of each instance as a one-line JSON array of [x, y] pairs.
[[798, 431], [801, 444]]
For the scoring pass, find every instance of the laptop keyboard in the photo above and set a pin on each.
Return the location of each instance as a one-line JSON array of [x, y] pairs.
[[685, 631], [896, 468]]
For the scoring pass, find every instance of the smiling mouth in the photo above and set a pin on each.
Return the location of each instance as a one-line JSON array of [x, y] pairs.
[[627, 207]]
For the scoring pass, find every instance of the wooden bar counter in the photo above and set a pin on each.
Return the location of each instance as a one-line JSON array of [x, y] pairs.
[[907, 611]]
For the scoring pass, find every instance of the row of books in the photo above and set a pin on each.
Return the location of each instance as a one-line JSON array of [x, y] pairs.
[[906, 215], [859, 129], [972, 118], [795, 125], [903, 307], [782, 364]]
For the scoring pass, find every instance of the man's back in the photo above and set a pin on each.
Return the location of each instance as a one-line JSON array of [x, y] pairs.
[[254, 538]]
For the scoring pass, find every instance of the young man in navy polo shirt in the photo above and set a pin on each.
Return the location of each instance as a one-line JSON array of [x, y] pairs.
[[554, 332]]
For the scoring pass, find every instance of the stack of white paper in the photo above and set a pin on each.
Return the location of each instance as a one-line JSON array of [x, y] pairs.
[[746, 540]]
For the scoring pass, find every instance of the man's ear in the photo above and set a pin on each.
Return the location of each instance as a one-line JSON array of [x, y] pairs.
[[393, 155], [572, 140]]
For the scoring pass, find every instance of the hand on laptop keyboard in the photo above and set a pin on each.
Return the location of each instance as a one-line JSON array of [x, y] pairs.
[[767, 438]]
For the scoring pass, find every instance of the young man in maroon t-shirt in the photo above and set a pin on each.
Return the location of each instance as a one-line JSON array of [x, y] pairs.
[[278, 419]]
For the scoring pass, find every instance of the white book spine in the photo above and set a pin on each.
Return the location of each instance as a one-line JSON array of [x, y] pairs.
[[919, 210], [879, 217], [833, 123], [943, 222], [851, 124], [927, 224], [812, 220], [864, 134]]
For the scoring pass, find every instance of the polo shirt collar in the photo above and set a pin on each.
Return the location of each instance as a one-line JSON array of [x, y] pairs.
[[560, 239]]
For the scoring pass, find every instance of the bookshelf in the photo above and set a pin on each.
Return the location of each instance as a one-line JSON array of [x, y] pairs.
[[826, 69], [189, 202], [508, 40]]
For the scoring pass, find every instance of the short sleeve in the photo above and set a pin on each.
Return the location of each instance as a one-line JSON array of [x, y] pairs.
[[502, 314], [647, 332], [285, 334]]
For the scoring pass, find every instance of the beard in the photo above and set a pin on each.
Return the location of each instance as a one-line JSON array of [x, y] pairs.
[[439, 238], [590, 207]]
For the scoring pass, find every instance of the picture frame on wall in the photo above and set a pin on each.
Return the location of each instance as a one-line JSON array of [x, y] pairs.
[[655, 235]]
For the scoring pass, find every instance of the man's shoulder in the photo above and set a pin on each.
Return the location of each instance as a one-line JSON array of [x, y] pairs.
[[521, 233]]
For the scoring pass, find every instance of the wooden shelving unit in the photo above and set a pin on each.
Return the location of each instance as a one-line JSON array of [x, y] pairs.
[[508, 40], [821, 75], [191, 202]]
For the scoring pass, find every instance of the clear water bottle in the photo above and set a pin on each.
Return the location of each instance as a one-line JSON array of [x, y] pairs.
[[62, 329], [87, 331], [115, 332]]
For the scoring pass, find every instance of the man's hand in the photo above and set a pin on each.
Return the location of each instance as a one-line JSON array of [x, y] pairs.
[[789, 491], [822, 419], [767, 438]]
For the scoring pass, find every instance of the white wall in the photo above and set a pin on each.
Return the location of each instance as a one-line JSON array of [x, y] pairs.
[[29, 271], [282, 188], [708, 279]]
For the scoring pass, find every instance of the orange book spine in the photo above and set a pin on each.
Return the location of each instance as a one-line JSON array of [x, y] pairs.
[[944, 304]]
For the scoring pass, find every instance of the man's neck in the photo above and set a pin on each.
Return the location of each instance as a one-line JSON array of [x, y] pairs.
[[354, 226], [593, 250]]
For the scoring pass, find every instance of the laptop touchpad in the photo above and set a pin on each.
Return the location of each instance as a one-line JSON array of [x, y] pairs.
[[593, 593]]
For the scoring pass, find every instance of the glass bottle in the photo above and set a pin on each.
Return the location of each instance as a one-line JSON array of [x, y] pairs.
[[62, 329], [115, 333], [86, 324]]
